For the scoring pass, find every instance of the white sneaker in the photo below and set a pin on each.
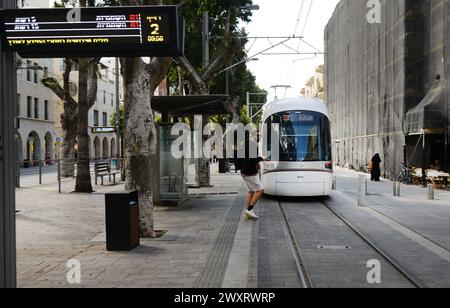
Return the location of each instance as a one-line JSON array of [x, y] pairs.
[[251, 215]]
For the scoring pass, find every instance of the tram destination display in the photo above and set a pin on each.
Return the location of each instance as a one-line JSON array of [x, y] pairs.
[[87, 32]]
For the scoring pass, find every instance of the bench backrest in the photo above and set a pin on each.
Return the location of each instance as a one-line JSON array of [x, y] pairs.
[[102, 168]]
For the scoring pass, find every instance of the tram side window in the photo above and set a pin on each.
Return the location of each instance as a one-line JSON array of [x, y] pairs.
[[326, 139]]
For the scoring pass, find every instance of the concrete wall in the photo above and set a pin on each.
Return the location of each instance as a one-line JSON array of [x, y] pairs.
[[377, 73], [365, 80]]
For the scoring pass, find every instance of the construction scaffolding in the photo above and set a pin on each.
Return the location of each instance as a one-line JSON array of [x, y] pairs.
[[386, 83]]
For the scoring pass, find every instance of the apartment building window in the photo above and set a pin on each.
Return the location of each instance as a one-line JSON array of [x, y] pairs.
[[36, 75], [105, 119], [46, 109], [104, 97], [36, 108], [112, 100], [28, 70], [29, 106], [95, 118]]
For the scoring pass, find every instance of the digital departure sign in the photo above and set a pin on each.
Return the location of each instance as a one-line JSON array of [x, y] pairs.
[[87, 32]]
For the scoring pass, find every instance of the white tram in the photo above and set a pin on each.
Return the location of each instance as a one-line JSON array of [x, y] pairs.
[[305, 167]]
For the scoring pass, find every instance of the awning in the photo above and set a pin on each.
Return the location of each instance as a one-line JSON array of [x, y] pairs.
[[429, 116], [183, 106]]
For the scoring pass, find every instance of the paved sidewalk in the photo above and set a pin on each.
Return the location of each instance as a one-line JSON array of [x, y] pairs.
[[209, 243], [431, 218], [53, 228], [413, 230]]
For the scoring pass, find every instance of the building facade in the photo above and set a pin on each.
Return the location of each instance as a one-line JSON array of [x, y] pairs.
[[386, 83], [35, 111], [314, 87], [101, 145]]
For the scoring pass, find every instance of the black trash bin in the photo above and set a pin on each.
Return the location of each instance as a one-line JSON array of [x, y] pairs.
[[122, 221]]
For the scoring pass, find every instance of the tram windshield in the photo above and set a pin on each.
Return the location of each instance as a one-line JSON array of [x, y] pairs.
[[304, 136]]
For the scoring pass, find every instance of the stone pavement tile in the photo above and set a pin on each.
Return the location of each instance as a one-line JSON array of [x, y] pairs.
[[53, 228]]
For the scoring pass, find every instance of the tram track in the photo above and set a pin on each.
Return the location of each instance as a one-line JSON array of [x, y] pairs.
[[305, 279], [302, 267], [406, 274]]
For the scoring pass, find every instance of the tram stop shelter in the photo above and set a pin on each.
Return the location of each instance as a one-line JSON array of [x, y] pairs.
[[177, 175]]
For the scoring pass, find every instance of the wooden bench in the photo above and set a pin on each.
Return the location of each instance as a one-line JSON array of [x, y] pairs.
[[103, 169]]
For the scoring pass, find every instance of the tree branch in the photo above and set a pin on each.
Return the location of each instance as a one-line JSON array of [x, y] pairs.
[[63, 93], [197, 81], [157, 69], [93, 81]]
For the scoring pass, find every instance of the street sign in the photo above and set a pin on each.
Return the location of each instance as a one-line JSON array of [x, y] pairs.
[[91, 32], [103, 130]]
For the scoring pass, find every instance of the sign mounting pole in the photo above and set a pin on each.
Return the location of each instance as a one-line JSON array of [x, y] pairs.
[[8, 92]]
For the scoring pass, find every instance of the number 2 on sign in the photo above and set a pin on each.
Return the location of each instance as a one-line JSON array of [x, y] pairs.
[[155, 28]]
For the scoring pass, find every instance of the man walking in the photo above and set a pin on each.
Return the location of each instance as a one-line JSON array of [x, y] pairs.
[[250, 168]]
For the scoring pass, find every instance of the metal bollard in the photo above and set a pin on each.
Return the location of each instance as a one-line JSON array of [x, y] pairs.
[[334, 183], [397, 191], [40, 172], [17, 175], [430, 192], [362, 190], [59, 175]]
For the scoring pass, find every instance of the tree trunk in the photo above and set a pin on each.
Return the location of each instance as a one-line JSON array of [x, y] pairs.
[[68, 119], [83, 182], [68, 142], [140, 131], [204, 164], [140, 139]]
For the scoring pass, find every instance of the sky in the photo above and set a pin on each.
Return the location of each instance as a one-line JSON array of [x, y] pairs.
[[279, 18]]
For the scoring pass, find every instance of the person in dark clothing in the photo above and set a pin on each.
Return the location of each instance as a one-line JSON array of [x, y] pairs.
[[250, 168], [376, 170]]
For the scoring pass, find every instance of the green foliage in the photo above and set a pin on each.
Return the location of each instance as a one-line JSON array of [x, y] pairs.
[[192, 11], [243, 118], [241, 79]]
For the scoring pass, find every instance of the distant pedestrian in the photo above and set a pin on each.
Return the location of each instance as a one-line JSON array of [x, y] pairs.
[[376, 169], [250, 169]]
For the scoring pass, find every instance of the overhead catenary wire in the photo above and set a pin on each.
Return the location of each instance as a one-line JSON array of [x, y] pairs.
[[308, 14]]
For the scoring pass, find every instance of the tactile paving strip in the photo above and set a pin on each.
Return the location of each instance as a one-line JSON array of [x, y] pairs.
[[216, 264]]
